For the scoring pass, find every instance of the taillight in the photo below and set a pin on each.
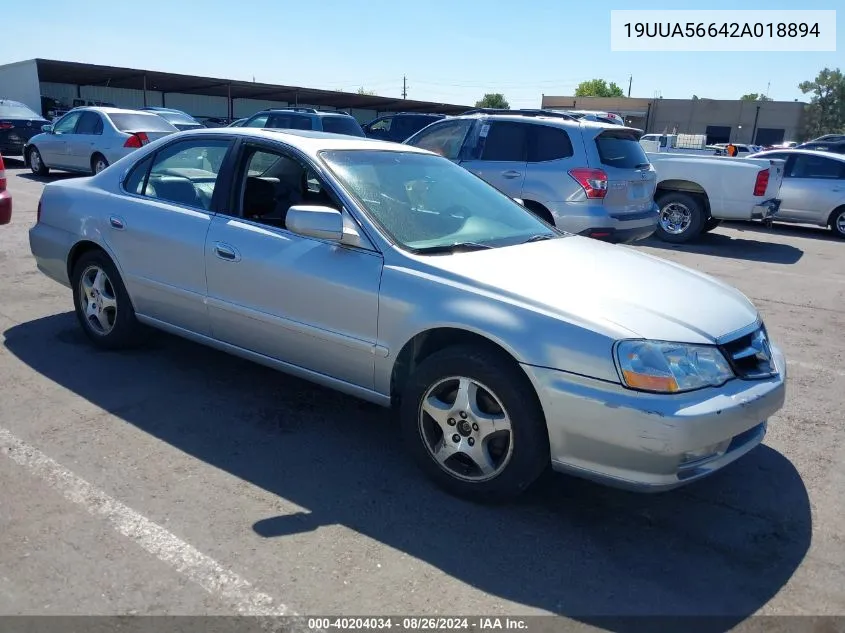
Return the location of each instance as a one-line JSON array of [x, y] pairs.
[[138, 139], [593, 181], [2, 175], [5, 125], [762, 182]]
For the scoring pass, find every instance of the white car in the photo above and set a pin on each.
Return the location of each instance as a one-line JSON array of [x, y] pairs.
[[88, 140], [813, 189]]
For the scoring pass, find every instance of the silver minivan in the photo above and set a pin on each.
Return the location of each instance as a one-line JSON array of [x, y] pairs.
[[584, 177]]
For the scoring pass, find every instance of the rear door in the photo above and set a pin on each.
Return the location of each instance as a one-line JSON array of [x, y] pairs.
[[631, 179], [500, 155], [812, 188], [551, 154], [82, 143]]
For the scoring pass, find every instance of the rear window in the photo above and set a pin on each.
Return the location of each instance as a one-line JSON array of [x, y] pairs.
[[15, 110], [342, 125], [620, 149], [137, 122], [548, 143], [176, 117]]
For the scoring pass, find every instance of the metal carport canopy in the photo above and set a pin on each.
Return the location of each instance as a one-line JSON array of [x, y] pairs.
[[81, 74]]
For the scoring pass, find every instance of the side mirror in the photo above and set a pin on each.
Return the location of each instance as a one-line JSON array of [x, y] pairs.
[[47, 128], [323, 223]]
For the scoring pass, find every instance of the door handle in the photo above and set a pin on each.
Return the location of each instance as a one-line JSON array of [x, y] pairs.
[[116, 223], [227, 252], [511, 174]]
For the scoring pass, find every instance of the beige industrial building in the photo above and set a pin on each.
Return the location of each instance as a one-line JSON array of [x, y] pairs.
[[723, 121]]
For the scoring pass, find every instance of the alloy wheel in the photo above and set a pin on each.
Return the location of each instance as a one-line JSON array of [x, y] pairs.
[[98, 300]]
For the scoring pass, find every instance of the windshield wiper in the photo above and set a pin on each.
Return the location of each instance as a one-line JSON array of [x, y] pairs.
[[540, 238], [451, 248]]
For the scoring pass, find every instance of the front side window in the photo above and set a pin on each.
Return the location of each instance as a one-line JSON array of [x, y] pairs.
[[259, 120], [426, 203], [67, 124], [805, 166], [381, 125], [185, 173], [445, 139]]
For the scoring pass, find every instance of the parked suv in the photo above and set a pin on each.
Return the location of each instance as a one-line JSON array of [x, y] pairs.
[[584, 177], [399, 126], [306, 119]]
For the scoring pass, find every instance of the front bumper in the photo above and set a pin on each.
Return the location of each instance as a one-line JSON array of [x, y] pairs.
[[652, 442], [765, 210]]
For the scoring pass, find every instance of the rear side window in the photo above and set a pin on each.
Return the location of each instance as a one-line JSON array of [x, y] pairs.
[[504, 141], [620, 149], [137, 122], [445, 139], [89, 123], [289, 122], [342, 125], [548, 143]]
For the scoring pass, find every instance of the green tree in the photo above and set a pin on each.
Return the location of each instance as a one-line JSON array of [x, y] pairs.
[[493, 100], [369, 93], [754, 96], [826, 112], [598, 88]]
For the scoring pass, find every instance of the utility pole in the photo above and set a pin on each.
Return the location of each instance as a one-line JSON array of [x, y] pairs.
[[768, 85], [630, 81], [404, 87]]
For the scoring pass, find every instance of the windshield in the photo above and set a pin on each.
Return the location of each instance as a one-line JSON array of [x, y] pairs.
[[427, 202], [342, 125], [136, 122], [15, 110]]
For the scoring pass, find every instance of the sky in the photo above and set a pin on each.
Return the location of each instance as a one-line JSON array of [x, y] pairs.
[[450, 51]]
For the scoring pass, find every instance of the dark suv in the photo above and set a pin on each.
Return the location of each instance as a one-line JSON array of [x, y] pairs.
[[399, 126], [306, 119]]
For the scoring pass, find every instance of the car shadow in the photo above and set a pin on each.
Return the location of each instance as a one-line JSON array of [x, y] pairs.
[[51, 177], [721, 547], [721, 245], [782, 228]]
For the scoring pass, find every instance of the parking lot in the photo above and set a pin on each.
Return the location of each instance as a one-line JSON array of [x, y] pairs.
[[179, 480]]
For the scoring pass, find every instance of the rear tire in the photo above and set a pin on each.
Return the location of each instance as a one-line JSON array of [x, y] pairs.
[[36, 164], [710, 224], [681, 217], [503, 442], [98, 163], [837, 222], [102, 304], [540, 211]]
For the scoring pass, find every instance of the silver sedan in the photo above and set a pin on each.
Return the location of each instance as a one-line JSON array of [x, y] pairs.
[[89, 139], [813, 189], [393, 275]]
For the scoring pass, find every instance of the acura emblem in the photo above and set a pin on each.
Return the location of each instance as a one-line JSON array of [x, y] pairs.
[[761, 346]]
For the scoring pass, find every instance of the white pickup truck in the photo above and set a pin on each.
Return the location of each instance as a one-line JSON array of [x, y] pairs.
[[695, 193]]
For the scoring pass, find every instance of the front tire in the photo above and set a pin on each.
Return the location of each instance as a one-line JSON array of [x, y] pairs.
[[837, 222], [681, 217], [102, 304], [36, 163], [472, 421]]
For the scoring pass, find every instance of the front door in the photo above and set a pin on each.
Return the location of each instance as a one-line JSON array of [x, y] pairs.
[[158, 231], [501, 156], [812, 187], [54, 147], [304, 301]]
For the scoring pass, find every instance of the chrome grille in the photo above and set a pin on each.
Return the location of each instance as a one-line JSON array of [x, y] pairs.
[[750, 355]]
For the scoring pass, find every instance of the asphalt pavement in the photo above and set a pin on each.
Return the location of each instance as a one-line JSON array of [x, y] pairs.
[[178, 480]]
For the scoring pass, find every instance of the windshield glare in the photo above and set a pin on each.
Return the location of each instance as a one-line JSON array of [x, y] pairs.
[[424, 201]]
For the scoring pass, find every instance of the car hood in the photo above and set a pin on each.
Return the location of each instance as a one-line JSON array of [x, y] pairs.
[[614, 289]]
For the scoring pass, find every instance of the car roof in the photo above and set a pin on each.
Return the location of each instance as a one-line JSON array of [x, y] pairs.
[[808, 152], [310, 141], [544, 119], [110, 110], [312, 111]]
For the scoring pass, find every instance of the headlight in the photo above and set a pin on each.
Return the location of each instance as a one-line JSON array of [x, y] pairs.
[[671, 367]]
